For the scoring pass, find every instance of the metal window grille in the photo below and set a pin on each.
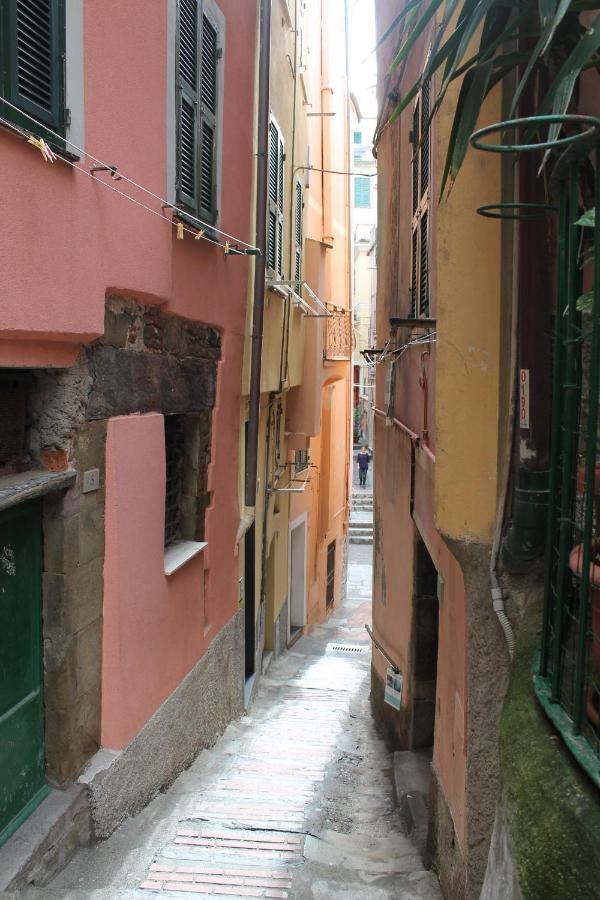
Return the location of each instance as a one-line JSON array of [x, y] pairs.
[[174, 456], [568, 680], [329, 595], [301, 461]]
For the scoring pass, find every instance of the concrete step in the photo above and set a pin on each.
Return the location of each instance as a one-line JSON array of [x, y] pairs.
[[360, 530], [44, 844], [360, 539], [412, 776]]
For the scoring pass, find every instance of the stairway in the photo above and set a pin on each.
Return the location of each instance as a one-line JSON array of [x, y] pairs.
[[361, 518]]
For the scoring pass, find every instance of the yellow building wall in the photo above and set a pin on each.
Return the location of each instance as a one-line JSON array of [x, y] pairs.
[[467, 273]]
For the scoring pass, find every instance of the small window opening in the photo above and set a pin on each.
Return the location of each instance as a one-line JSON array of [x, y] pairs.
[[329, 596], [174, 455], [13, 415]]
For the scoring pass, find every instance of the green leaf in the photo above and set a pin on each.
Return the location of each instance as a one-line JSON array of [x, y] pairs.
[[588, 219], [395, 23], [411, 40], [546, 9], [585, 301], [544, 41], [559, 96], [473, 90]]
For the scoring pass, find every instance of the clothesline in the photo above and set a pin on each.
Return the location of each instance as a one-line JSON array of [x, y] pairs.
[[201, 226]]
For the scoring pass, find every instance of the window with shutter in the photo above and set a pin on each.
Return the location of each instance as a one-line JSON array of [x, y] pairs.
[[32, 63], [276, 196], [419, 276], [298, 217], [198, 54], [362, 192]]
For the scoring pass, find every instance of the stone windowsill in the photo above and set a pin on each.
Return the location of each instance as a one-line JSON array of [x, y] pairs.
[[179, 553], [31, 484]]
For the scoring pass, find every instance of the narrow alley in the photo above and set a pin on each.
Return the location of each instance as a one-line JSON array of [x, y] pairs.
[[295, 800], [300, 449]]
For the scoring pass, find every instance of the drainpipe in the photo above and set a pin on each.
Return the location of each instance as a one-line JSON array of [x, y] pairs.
[[262, 161]]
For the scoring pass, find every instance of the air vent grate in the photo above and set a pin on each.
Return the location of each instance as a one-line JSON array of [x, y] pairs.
[[342, 647]]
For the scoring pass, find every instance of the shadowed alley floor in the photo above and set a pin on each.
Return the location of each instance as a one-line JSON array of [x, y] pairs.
[[294, 801]]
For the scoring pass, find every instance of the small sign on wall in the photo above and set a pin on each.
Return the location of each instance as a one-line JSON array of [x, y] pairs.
[[524, 398], [393, 688]]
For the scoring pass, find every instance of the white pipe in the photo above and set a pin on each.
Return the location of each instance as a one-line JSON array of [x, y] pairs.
[[497, 593], [245, 523]]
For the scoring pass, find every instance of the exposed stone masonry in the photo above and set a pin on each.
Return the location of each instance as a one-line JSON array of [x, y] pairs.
[[168, 365]]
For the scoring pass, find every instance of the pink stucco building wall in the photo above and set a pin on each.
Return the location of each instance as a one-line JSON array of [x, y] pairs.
[[67, 242]]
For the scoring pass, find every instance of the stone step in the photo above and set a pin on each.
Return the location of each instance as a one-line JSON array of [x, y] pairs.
[[412, 776], [360, 539], [360, 529]]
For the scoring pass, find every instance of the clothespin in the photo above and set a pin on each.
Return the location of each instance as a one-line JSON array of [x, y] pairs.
[[43, 147], [226, 251], [180, 231], [199, 235]]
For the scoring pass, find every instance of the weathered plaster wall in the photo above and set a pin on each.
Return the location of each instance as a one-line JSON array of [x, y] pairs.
[[190, 719], [147, 647]]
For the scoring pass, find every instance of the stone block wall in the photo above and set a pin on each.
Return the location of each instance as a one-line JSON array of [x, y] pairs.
[[72, 588], [145, 361]]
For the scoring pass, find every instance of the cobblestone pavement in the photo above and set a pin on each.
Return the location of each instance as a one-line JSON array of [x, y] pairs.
[[294, 801]]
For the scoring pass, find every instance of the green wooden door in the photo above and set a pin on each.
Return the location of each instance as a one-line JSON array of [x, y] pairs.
[[22, 784]]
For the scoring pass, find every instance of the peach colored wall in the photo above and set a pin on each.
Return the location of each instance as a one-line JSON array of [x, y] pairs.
[[70, 241], [153, 625], [393, 610], [396, 530]]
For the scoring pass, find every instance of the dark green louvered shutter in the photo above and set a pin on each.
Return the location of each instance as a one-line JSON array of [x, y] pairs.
[[32, 66], [298, 216], [208, 118], [419, 277], [273, 190], [187, 102], [280, 159]]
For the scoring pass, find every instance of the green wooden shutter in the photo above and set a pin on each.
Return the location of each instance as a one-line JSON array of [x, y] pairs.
[[415, 135], [272, 218], [208, 118], [280, 180], [33, 48], [188, 39], [414, 272], [424, 151], [362, 191], [298, 216], [424, 267]]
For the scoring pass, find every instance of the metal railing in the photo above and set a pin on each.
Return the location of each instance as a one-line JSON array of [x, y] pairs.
[[567, 670], [338, 335]]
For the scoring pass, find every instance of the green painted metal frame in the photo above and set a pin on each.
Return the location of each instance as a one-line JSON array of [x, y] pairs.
[[561, 585]]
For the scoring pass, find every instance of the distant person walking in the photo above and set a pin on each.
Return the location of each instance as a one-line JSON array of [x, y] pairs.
[[364, 458]]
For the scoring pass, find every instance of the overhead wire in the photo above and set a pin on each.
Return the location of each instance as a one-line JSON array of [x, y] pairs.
[[202, 226]]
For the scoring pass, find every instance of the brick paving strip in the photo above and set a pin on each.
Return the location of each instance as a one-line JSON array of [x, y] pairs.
[[293, 802], [246, 836]]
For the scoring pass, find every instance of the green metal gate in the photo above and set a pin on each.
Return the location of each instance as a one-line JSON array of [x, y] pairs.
[[567, 673], [568, 677], [22, 782]]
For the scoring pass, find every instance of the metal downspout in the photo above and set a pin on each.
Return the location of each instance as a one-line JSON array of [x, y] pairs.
[[262, 161]]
